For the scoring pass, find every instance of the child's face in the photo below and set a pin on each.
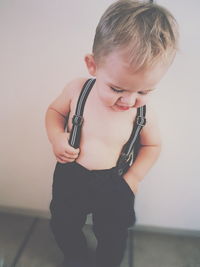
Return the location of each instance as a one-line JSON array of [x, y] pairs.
[[121, 88]]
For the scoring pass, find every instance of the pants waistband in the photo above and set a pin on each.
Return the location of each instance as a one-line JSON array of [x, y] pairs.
[[112, 169]]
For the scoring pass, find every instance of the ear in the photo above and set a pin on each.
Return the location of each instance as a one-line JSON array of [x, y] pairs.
[[91, 65]]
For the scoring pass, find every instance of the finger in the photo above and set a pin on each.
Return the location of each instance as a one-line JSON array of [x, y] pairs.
[[65, 158], [60, 160], [70, 155], [73, 150]]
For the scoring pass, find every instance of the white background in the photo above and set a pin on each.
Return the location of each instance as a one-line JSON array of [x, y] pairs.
[[42, 46]]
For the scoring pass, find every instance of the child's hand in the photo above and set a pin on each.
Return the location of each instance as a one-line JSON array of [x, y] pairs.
[[132, 182], [63, 151]]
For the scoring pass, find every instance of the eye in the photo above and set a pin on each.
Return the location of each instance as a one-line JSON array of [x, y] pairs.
[[117, 90], [144, 92]]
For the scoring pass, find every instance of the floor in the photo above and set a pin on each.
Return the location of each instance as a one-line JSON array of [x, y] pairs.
[[27, 242]]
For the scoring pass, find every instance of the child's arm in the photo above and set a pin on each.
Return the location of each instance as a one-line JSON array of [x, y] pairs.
[[55, 124], [148, 153]]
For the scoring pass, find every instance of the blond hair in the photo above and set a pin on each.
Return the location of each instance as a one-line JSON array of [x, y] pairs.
[[149, 31]]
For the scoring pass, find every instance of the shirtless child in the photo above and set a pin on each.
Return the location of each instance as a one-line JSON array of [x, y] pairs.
[[134, 45]]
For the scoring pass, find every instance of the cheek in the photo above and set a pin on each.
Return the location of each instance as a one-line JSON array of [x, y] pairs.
[[107, 96]]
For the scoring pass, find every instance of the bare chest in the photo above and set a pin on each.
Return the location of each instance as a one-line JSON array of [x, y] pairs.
[[103, 125]]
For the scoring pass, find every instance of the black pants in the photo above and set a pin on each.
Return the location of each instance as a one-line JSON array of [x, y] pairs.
[[77, 192]]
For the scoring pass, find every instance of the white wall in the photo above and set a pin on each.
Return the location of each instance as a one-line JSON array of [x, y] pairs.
[[42, 47]]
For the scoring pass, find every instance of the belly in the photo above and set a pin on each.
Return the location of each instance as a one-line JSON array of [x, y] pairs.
[[95, 155]]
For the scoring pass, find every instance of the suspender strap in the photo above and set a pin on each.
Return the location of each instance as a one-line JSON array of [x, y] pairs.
[[127, 155], [77, 120], [140, 121]]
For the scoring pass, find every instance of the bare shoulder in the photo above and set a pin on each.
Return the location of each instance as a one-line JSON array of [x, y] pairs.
[[62, 104], [151, 115], [74, 87], [150, 134]]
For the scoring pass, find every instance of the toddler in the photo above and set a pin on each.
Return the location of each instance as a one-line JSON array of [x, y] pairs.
[[104, 133]]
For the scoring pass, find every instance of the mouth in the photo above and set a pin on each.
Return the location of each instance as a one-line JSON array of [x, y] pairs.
[[123, 107]]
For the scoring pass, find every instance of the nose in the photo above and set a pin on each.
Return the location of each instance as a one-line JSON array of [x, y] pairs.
[[129, 100]]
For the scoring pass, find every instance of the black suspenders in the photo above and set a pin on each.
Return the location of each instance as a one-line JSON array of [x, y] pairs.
[[77, 120], [129, 152], [130, 149]]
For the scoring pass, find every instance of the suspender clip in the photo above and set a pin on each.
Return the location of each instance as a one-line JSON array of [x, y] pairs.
[[124, 157], [77, 120], [122, 163], [141, 121]]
